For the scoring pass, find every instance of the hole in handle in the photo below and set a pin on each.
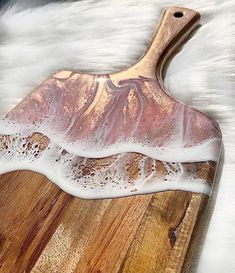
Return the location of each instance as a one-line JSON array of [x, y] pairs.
[[178, 14]]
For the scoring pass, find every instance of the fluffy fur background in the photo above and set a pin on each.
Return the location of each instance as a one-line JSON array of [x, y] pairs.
[[38, 38]]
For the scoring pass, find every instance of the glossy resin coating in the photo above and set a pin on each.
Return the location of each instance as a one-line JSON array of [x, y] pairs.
[[115, 134]]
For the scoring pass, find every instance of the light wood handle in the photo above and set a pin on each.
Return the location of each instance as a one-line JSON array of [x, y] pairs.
[[175, 25]]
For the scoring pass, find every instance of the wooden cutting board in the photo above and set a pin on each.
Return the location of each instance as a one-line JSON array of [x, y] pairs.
[[44, 229]]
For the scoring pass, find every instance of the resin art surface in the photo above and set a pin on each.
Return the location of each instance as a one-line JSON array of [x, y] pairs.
[[113, 135]]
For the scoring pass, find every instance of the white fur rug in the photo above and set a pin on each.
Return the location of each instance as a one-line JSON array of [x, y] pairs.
[[104, 36]]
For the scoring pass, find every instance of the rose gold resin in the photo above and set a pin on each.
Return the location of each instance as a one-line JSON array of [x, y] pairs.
[[115, 134]]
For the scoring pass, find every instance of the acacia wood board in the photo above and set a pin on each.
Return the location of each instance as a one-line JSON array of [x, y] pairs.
[[44, 229]]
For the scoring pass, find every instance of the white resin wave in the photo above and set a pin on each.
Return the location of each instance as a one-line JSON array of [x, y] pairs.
[[107, 178]]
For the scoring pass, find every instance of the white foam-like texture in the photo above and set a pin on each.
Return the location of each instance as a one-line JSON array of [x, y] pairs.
[[99, 178]]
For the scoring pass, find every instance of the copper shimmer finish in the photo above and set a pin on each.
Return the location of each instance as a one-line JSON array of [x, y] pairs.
[[114, 135], [47, 230]]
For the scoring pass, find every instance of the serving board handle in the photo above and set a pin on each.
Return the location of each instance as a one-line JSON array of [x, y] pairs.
[[175, 25]]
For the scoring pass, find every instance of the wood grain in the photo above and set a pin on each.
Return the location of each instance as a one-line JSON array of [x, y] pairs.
[[44, 230]]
